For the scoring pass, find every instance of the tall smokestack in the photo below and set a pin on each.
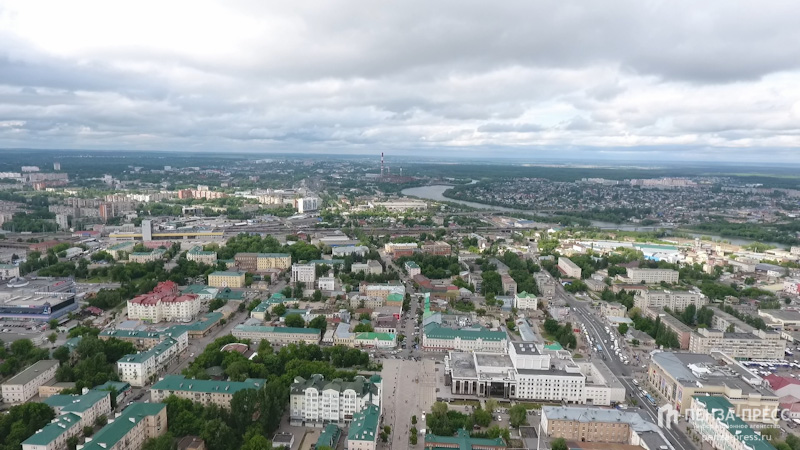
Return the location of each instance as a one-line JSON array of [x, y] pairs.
[[381, 164]]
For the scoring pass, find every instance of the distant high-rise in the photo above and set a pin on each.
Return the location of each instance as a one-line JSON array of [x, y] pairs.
[[56, 166], [381, 164], [147, 230]]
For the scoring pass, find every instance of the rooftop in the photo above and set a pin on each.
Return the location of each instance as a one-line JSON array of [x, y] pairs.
[[434, 331], [228, 273], [54, 429], [180, 383], [268, 329], [364, 426], [122, 425], [461, 441], [145, 355], [372, 336], [691, 369], [719, 407], [32, 371]]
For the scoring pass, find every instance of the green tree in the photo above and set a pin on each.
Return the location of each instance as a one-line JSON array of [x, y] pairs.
[[257, 442], [279, 310], [482, 417], [164, 442], [623, 328], [294, 320], [319, 323], [53, 324], [317, 296], [52, 337], [558, 444], [518, 415], [61, 354], [88, 431]]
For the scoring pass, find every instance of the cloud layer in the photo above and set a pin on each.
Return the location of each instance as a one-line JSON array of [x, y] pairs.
[[360, 76]]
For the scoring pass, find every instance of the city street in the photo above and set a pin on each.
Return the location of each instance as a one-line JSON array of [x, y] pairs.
[[409, 389]]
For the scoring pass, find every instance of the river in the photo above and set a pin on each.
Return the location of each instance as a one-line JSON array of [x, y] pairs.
[[436, 192]]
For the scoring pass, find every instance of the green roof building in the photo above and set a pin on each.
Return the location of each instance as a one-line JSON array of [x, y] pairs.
[[364, 426], [60, 429], [377, 340], [207, 392], [462, 441], [330, 436], [437, 337], [715, 419], [139, 421]]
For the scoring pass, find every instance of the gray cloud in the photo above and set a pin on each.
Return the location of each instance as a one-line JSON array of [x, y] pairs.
[[469, 75]]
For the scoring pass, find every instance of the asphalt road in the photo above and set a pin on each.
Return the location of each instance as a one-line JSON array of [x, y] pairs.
[[626, 373]]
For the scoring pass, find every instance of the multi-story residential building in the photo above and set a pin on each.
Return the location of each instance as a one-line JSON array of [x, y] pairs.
[[366, 301], [164, 303], [714, 419], [146, 257], [610, 426], [304, 273], [569, 268], [681, 330], [8, 271], [87, 408], [370, 267], [437, 248], [724, 321], [523, 300], [613, 309], [546, 284], [674, 300], [405, 247], [758, 344], [381, 290], [25, 385], [246, 262], [226, 279], [145, 340], [307, 204], [317, 402], [438, 338], [412, 268], [277, 335], [346, 250], [652, 276], [509, 285], [363, 432], [117, 250], [206, 392], [198, 255], [140, 368], [680, 376], [463, 441], [136, 424], [265, 261]]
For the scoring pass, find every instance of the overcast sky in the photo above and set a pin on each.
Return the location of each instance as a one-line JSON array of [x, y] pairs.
[[685, 78]]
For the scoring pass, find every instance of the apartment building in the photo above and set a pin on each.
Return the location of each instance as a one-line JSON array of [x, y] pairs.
[[569, 268], [226, 279], [546, 284], [412, 268], [370, 267], [206, 392], [363, 432], [609, 426], [136, 424], [25, 385], [198, 255], [366, 301], [509, 285], [680, 376], [8, 271], [437, 248], [758, 344], [140, 368], [145, 340], [265, 261], [116, 250], [317, 402], [164, 303], [714, 419], [146, 257], [674, 300], [438, 338], [73, 413], [304, 273], [652, 276], [523, 301], [327, 283], [277, 335]]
